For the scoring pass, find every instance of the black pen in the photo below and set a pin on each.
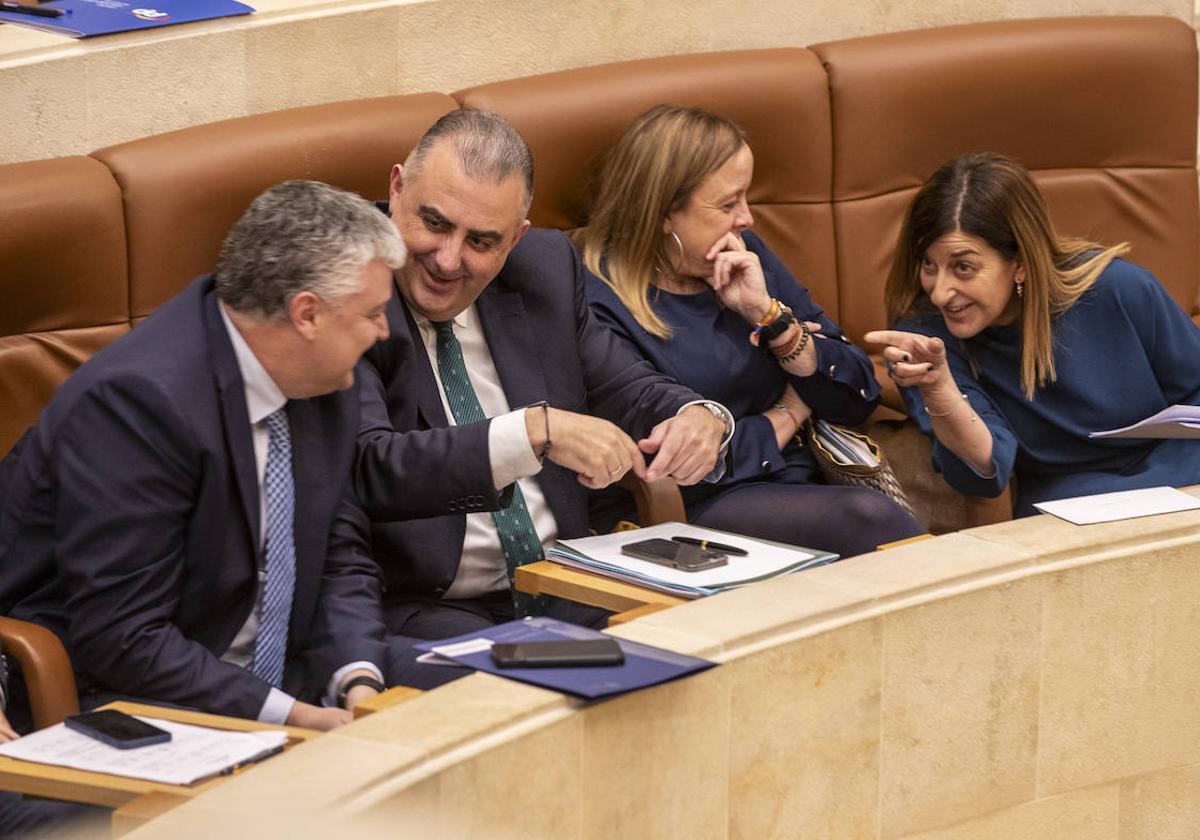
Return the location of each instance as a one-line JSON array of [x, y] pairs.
[[233, 768], [22, 9], [706, 545]]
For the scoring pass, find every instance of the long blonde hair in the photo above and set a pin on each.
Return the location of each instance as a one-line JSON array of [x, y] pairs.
[[992, 197], [651, 171]]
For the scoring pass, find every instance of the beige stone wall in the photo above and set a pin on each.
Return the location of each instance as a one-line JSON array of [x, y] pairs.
[[1031, 680], [60, 97]]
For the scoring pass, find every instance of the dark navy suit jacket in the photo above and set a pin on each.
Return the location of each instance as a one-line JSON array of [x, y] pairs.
[[546, 346], [131, 521]]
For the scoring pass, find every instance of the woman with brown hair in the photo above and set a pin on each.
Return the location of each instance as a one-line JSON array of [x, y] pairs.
[[675, 271], [1012, 343]]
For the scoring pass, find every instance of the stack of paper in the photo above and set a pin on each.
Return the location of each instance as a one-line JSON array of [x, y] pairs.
[[1177, 421], [194, 752], [763, 560]]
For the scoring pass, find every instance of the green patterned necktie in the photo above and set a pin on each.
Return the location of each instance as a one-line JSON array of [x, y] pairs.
[[518, 538]]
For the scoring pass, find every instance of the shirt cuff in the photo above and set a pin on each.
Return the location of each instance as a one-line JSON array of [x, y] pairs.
[[276, 708], [718, 470], [511, 454], [339, 676]]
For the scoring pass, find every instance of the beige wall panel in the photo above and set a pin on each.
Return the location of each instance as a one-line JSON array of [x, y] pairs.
[[74, 98], [532, 786], [960, 702], [804, 737], [162, 85], [1120, 669], [656, 763], [459, 712], [318, 60], [1162, 806], [1090, 814]]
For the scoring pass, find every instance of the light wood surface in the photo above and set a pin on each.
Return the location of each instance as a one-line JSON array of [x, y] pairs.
[[111, 791], [392, 697], [547, 578], [137, 812], [906, 541], [635, 613]]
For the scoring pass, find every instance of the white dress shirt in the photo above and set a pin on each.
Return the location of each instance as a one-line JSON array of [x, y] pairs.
[[264, 398], [483, 569]]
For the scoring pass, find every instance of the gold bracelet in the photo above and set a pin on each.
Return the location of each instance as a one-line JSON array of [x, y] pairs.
[[947, 413]]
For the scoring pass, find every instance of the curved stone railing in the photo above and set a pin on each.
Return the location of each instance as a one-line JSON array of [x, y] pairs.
[[1031, 679]]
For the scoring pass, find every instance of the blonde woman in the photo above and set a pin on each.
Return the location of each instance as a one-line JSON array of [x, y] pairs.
[[1011, 344], [676, 272]]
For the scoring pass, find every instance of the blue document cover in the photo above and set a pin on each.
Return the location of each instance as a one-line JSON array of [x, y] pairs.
[[85, 18], [644, 665]]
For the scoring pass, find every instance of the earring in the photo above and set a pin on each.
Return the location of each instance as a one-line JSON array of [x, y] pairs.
[[679, 244], [1020, 288]]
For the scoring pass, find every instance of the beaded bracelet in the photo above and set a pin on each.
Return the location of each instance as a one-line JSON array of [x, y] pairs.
[[794, 352], [545, 407]]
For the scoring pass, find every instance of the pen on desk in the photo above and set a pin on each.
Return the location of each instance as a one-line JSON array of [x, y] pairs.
[[241, 765], [22, 9], [712, 546]]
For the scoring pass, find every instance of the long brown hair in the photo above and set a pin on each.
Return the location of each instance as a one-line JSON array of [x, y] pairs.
[[652, 171], [992, 197]]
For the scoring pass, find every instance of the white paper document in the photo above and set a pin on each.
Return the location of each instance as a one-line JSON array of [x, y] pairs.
[[763, 560], [194, 752], [1177, 421], [1128, 504]]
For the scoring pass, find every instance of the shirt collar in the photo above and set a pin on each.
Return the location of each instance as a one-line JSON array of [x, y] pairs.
[[467, 320], [263, 396]]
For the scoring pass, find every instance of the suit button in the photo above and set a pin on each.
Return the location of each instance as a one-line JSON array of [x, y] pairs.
[[454, 507], [832, 370], [439, 591], [766, 466], [862, 392]]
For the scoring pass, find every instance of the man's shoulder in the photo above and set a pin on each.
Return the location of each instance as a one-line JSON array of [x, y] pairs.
[[540, 250], [167, 351]]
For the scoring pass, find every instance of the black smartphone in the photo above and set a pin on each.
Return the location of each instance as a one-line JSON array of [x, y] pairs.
[[117, 729], [568, 652], [685, 558]]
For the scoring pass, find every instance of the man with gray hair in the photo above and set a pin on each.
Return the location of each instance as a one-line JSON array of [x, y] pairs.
[[173, 516], [497, 401]]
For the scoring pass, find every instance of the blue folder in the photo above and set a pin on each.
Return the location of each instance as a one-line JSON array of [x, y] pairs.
[[644, 665], [85, 18]]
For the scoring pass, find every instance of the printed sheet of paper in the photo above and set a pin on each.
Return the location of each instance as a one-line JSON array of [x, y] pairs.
[[1128, 504], [194, 752]]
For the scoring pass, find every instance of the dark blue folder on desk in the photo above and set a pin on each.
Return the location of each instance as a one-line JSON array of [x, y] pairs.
[[85, 18], [644, 665]]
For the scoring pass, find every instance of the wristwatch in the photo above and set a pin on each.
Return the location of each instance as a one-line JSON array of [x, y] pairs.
[[717, 411], [777, 327], [361, 679]]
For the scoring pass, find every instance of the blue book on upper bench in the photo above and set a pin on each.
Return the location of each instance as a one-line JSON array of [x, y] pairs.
[[644, 665], [85, 18]]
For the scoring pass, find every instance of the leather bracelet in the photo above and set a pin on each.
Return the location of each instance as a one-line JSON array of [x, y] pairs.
[[545, 406], [361, 679], [782, 350], [777, 327], [799, 348], [762, 328]]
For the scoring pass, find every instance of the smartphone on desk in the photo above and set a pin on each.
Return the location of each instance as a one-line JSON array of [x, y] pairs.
[[117, 729], [558, 654], [673, 555]]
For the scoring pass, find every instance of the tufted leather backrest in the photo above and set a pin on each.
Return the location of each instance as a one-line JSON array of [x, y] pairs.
[[1102, 110], [62, 279], [183, 190], [779, 97]]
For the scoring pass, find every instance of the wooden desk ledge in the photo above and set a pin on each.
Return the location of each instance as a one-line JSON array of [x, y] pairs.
[[548, 578], [392, 697], [907, 541]]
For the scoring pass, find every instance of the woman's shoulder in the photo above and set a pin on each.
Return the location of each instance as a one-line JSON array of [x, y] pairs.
[[1123, 281]]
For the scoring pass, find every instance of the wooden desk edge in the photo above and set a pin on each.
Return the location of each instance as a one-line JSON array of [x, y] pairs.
[[548, 578]]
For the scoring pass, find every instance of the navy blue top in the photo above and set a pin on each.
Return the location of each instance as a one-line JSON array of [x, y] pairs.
[[1123, 352], [710, 353]]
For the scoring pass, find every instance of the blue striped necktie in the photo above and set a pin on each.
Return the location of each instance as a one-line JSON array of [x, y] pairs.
[[270, 649], [518, 538]]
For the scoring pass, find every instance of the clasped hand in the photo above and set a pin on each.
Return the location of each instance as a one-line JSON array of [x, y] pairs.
[[684, 447], [737, 278], [913, 360]]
